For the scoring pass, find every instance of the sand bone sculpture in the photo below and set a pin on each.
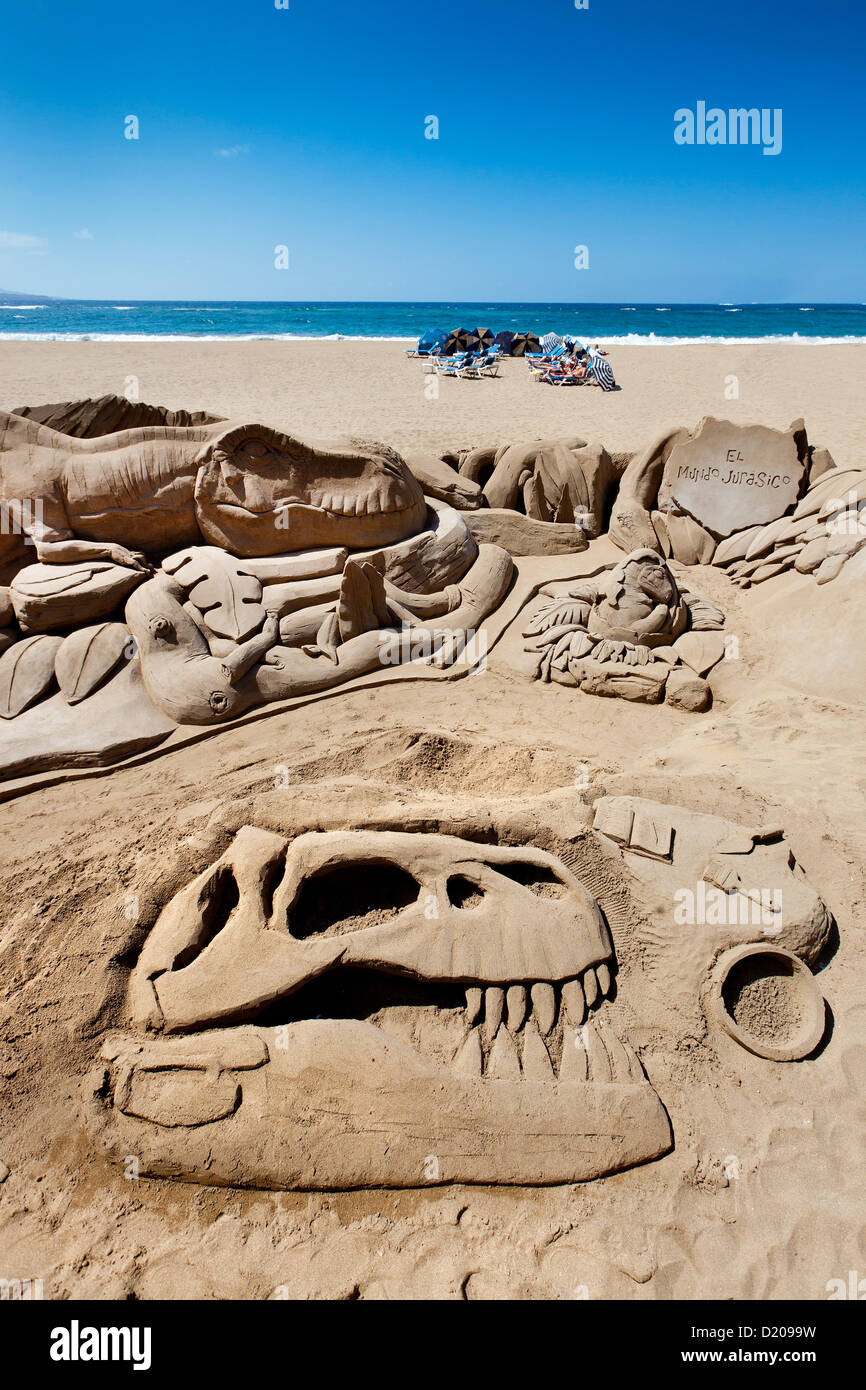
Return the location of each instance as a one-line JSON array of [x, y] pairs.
[[385, 1008], [280, 566]]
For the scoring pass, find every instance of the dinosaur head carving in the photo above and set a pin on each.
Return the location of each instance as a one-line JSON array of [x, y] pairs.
[[261, 492], [376, 1008]]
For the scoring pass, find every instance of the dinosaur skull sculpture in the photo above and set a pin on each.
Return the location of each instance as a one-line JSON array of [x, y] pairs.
[[420, 1006]]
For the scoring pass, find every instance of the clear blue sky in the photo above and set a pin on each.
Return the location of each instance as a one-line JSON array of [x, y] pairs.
[[305, 127]]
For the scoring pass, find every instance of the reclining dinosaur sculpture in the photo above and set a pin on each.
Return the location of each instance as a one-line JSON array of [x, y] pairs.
[[260, 568], [247, 488]]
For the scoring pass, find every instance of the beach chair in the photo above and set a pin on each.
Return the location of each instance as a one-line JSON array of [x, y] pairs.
[[453, 366], [474, 365], [541, 358], [489, 364], [572, 374]]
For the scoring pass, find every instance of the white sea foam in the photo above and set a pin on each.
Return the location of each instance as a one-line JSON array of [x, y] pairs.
[[617, 340], [23, 306]]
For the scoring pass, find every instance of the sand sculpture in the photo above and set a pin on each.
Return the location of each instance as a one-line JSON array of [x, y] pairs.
[[825, 529], [401, 1009], [757, 501], [247, 566], [187, 569], [632, 632]]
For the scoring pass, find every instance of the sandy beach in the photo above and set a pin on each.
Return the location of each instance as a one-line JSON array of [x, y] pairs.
[[760, 1197], [371, 389]]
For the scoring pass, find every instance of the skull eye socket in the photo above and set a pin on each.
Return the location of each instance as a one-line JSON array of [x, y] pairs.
[[349, 897]]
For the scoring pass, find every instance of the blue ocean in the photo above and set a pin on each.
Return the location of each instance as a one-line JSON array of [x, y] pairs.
[[609, 323]]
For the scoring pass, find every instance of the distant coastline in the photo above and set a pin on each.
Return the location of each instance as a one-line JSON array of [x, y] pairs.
[[40, 318]]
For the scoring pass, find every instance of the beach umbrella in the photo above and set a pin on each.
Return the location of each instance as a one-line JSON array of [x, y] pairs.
[[485, 338], [523, 343], [473, 342], [456, 341], [549, 342], [504, 340], [432, 339], [603, 372]]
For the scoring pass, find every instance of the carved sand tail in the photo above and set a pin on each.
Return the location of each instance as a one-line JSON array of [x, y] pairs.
[[527, 1091]]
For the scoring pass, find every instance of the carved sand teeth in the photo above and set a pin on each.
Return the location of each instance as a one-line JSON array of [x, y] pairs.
[[542, 1003], [509, 1026], [590, 1053], [516, 1003], [544, 1007], [474, 1000]]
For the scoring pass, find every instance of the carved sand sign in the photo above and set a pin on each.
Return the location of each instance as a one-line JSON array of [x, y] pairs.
[[731, 476]]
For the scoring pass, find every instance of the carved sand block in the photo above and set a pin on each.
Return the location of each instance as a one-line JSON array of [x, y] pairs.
[[46, 597], [418, 1009], [711, 888], [345, 1106], [728, 477]]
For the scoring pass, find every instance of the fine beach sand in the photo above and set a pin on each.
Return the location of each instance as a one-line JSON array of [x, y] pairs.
[[761, 1196], [371, 389]]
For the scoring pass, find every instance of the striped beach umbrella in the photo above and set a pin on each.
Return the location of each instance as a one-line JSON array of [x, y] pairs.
[[456, 341], [485, 338], [523, 343], [603, 372], [550, 341], [473, 342]]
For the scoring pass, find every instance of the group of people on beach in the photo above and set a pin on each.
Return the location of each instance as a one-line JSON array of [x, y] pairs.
[[574, 365]]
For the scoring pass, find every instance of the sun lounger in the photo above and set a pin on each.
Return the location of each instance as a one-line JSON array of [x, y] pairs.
[[541, 357]]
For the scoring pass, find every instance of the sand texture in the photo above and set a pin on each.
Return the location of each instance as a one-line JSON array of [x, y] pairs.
[[761, 1195]]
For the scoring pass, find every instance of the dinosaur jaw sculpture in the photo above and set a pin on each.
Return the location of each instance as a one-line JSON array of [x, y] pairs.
[[260, 492], [420, 1006], [325, 1105]]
